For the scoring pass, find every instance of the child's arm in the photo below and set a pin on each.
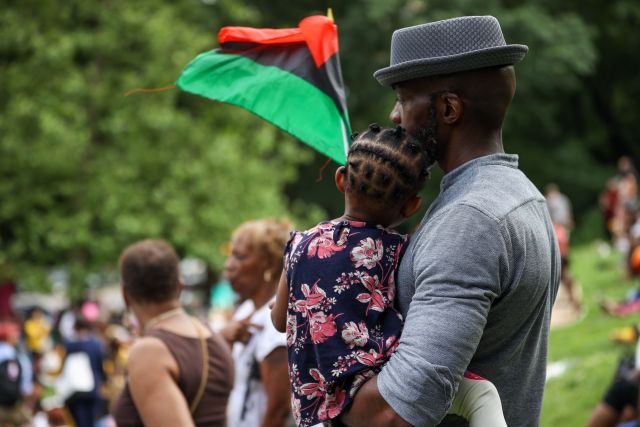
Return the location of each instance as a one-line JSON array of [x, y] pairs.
[[279, 310]]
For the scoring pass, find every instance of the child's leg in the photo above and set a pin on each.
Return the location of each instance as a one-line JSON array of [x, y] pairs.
[[478, 402]]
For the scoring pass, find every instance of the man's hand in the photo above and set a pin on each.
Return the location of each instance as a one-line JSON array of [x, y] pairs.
[[369, 409]]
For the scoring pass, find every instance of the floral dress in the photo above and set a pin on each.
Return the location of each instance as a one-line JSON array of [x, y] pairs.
[[341, 322]]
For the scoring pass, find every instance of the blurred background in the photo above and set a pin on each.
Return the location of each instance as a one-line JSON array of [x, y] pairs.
[[85, 171]]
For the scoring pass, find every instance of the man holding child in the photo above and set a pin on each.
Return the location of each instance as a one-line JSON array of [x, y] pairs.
[[479, 278]]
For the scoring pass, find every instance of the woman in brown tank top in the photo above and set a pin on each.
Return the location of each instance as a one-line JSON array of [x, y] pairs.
[[179, 373]]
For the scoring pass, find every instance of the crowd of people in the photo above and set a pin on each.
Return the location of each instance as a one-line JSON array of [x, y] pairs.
[[620, 207], [61, 361], [621, 210], [349, 322]]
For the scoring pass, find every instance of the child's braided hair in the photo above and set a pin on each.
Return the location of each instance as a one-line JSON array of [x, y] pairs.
[[387, 166]]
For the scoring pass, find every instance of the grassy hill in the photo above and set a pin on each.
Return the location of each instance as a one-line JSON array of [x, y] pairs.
[[586, 348]]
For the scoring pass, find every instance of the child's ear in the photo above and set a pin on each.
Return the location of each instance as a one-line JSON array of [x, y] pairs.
[[340, 175], [411, 206]]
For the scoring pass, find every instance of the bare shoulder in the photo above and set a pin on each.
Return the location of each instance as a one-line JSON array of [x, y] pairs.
[[149, 354], [152, 374]]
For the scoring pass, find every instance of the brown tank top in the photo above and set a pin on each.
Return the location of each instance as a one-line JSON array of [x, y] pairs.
[[211, 411]]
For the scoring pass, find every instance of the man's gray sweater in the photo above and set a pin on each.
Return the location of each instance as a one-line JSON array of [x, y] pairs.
[[476, 286]]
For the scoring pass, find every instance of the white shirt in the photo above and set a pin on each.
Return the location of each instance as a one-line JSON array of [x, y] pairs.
[[248, 400]]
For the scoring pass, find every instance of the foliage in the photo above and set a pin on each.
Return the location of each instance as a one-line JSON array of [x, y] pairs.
[[85, 171], [557, 123]]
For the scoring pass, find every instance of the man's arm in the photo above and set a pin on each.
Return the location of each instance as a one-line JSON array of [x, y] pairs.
[[457, 265], [370, 409]]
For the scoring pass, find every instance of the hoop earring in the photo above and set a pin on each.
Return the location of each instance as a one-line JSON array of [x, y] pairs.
[[267, 276]]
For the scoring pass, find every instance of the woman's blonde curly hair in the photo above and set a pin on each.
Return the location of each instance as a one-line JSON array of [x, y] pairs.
[[268, 236]]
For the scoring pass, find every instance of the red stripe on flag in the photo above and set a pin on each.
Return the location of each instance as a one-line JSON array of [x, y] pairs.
[[259, 35], [321, 35], [318, 32]]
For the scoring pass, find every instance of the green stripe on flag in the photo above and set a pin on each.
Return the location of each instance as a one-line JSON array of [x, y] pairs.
[[287, 101]]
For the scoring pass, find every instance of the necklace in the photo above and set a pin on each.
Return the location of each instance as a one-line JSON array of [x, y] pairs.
[[160, 317]]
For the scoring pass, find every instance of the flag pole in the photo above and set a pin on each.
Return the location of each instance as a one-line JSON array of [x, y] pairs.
[[345, 137]]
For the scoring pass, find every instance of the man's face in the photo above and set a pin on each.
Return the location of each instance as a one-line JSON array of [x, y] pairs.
[[412, 106], [415, 111]]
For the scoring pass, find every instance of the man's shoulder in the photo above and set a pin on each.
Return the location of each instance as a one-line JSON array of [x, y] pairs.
[[496, 191]]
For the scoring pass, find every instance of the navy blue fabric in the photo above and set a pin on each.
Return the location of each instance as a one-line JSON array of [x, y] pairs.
[[341, 324]]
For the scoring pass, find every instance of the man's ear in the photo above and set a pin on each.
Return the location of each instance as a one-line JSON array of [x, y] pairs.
[[340, 176], [451, 108], [411, 206]]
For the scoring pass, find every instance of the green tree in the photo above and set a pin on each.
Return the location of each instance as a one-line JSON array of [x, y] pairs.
[[86, 171]]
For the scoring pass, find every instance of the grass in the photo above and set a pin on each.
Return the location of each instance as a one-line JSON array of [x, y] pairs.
[[586, 345]]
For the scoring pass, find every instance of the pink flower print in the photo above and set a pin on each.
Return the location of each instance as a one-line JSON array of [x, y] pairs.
[[355, 334], [324, 227], [322, 327], [369, 359], [367, 253], [314, 297], [391, 344], [295, 409], [374, 298], [331, 407], [312, 390], [391, 288], [292, 330], [344, 234], [295, 242], [324, 247]]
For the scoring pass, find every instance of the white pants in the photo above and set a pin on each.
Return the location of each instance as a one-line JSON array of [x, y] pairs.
[[478, 402]]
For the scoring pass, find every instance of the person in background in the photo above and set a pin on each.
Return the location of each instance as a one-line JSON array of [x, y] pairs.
[[562, 217], [618, 405], [608, 201], [631, 304], [626, 182], [559, 207], [260, 397], [179, 373], [86, 407], [66, 325], [620, 401], [36, 330], [16, 383], [7, 290]]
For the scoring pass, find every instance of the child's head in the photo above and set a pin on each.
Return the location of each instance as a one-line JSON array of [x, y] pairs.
[[385, 170]]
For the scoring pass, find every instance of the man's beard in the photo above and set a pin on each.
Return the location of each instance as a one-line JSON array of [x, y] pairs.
[[427, 135]]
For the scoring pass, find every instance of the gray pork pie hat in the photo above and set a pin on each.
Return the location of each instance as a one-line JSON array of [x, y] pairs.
[[449, 46]]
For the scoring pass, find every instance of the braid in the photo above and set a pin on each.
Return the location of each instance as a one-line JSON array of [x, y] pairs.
[[386, 165]]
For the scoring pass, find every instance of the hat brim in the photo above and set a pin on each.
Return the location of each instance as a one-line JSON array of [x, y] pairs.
[[483, 58]]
